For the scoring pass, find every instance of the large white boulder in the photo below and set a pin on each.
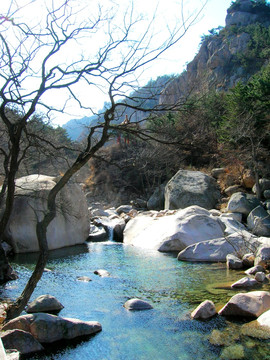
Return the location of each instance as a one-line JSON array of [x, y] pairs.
[[70, 226], [172, 232], [187, 188], [216, 250]]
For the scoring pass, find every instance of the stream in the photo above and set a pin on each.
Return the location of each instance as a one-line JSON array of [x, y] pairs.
[[172, 287]]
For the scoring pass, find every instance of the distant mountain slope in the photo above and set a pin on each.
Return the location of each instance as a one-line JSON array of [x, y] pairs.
[[75, 127], [226, 56], [145, 97]]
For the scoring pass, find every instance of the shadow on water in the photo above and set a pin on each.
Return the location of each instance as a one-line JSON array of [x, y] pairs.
[[31, 258]]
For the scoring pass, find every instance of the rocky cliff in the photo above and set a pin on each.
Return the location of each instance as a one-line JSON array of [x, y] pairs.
[[226, 56]]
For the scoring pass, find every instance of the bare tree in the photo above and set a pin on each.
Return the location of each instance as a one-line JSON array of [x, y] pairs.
[[39, 59]]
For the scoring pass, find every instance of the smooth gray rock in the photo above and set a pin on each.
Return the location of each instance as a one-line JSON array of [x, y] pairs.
[[251, 304], [260, 276], [232, 190], [44, 303], [187, 188], [232, 225], [97, 233], [102, 273], [264, 185], [137, 304], [216, 250], [204, 311], [254, 270], [172, 232], [264, 319], [242, 203], [157, 199], [245, 283], [48, 328], [69, 227], [233, 262], [258, 221], [262, 256], [21, 340], [124, 209]]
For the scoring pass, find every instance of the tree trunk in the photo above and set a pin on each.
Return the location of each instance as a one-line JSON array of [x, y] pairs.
[[18, 306]]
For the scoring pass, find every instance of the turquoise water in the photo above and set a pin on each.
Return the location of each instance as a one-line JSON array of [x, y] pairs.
[[173, 288]]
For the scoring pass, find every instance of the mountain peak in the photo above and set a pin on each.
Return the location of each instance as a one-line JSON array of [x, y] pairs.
[[246, 12]]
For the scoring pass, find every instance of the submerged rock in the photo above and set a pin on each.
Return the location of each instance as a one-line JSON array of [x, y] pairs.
[[233, 352], [84, 278], [256, 330], [137, 304]]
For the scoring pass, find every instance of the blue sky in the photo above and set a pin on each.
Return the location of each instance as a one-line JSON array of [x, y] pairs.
[[168, 14], [174, 61]]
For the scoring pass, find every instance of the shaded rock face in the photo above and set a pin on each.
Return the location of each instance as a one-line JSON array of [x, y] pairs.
[[70, 226], [48, 328], [251, 304], [215, 66], [187, 188], [216, 250], [156, 201], [21, 340]]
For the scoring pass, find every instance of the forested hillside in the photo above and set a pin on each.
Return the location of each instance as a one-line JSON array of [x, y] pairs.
[[222, 118]]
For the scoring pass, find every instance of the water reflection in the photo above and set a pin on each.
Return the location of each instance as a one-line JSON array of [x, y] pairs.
[[173, 288]]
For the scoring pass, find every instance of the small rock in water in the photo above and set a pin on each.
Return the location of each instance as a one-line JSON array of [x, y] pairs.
[[260, 276], [233, 262], [44, 303], [204, 311], [254, 270], [102, 273], [245, 282], [137, 304], [83, 278]]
